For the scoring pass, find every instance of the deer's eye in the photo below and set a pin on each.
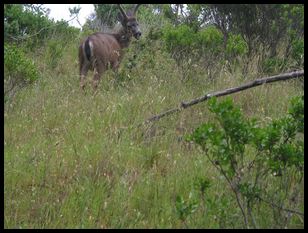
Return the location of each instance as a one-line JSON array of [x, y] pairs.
[[132, 24]]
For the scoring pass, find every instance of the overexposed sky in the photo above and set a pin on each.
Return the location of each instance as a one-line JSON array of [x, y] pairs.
[[60, 11]]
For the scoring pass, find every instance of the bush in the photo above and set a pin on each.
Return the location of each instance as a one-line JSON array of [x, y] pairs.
[[250, 156], [271, 65], [17, 65], [21, 22], [298, 51], [210, 40], [236, 45], [184, 37], [192, 48], [19, 70], [179, 37]]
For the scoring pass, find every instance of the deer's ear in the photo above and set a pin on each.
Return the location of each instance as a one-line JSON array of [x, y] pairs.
[[129, 13], [121, 18]]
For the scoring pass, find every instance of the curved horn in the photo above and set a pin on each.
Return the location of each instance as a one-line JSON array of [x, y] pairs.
[[122, 11], [136, 8]]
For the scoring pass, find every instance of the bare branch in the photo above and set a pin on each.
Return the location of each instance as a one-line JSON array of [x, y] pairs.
[[257, 82], [280, 207]]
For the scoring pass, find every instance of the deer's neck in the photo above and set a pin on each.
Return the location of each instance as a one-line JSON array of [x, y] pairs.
[[123, 37]]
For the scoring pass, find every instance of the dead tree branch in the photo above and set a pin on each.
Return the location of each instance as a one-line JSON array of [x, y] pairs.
[[280, 207], [257, 82]]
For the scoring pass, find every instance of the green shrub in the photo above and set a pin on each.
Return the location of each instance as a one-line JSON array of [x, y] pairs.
[[298, 50], [192, 48], [274, 64], [183, 36], [19, 70], [210, 39], [176, 37], [236, 45], [22, 23], [185, 208], [243, 151], [18, 66]]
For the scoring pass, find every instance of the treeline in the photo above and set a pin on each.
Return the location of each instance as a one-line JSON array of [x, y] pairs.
[[271, 35]]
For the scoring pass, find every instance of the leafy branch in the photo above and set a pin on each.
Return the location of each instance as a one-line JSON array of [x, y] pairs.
[[275, 150]]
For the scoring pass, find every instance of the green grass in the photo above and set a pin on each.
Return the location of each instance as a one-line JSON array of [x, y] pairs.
[[74, 160]]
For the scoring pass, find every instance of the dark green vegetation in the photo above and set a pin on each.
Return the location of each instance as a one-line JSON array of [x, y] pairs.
[[278, 155], [74, 160]]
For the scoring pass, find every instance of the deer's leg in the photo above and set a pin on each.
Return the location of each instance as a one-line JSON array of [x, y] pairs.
[[83, 73], [115, 66], [115, 69], [98, 71]]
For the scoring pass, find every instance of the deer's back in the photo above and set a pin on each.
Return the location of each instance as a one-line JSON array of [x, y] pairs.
[[105, 47]]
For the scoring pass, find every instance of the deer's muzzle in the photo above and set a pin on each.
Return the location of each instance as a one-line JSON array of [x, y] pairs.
[[137, 35]]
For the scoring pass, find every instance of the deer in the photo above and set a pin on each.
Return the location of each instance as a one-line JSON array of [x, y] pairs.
[[102, 51]]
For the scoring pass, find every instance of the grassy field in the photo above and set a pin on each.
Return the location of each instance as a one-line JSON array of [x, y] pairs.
[[74, 160]]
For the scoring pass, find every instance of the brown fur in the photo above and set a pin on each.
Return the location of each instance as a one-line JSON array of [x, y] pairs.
[[106, 49]]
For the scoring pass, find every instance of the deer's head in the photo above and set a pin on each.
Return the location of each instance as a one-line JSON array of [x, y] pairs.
[[129, 21]]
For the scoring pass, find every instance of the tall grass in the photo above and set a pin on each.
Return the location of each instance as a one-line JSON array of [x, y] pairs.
[[74, 160]]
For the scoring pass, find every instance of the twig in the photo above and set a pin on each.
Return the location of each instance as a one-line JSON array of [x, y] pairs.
[[257, 82], [279, 207], [233, 188]]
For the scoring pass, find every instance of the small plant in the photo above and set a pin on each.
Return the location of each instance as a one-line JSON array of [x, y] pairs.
[[202, 184], [185, 208], [249, 156]]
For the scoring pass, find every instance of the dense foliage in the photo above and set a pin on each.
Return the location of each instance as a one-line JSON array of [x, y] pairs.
[[278, 151], [28, 30]]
